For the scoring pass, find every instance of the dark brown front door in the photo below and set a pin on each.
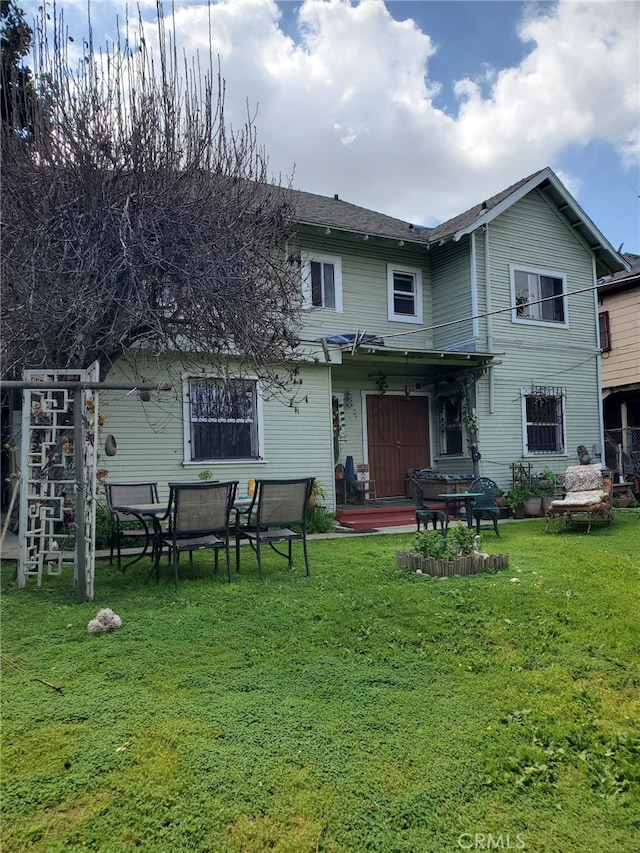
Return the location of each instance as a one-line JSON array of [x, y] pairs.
[[398, 438]]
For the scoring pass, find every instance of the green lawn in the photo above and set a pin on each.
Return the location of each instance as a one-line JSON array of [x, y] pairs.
[[360, 709]]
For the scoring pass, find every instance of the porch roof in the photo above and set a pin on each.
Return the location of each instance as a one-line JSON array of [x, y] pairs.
[[444, 358]]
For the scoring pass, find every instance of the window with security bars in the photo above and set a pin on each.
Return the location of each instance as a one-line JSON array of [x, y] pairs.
[[223, 419], [451, 432], [544, 422]]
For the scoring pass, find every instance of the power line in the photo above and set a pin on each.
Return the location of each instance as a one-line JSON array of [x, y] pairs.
[[485, 314]]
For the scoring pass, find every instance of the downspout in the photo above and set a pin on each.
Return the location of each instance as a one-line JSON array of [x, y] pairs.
[[487, 296], [598, 357], [475, 333]]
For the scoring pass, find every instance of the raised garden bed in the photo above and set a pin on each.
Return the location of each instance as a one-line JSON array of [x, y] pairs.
[[408, 561]]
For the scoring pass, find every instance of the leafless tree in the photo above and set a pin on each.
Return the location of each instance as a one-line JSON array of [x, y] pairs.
[[133, 216]]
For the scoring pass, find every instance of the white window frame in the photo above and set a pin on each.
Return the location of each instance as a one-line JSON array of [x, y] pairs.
[[532, 454], [416, 317], [336, 261], [534, 321], [187, 379]]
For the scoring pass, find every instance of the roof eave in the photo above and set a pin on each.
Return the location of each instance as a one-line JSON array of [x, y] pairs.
[[598, 243]]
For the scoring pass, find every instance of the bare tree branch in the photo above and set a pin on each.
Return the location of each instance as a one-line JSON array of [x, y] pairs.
[[133, 217]]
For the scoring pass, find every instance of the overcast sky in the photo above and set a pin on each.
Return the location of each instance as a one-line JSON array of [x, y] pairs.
[[423, 109]]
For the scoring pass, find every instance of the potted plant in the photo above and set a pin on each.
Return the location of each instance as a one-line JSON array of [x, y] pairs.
[[318, 490], [516, 498], [546, 488]]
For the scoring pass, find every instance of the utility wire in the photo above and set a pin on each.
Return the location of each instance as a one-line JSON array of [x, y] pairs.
[[485, 314]]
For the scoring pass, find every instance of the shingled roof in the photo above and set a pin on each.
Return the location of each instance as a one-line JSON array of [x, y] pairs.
[[328, 212], [464, 221], [333, 213]]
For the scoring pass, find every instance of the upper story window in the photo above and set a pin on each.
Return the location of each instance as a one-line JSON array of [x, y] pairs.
[[221, 419], [605, 331], [322, 282], [543, 421], [404, 294], [539, 296]]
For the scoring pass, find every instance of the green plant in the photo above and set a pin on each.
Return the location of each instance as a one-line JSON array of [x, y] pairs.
[[318, 489], [430, 543], [457, 543], [367, 701], [207, 474], [517, 496], [320, 520], [543, 484], [471, 422], [460, 538]]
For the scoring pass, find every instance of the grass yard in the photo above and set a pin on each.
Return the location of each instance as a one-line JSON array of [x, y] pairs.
[[360, 709]]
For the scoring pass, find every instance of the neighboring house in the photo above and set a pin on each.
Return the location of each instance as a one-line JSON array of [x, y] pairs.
[[619, 306], [419, 345]]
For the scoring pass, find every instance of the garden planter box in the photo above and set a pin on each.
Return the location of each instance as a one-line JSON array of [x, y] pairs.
[[407, 561]]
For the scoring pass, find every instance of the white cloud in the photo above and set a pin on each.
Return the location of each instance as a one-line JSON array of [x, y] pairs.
[[351, 103]]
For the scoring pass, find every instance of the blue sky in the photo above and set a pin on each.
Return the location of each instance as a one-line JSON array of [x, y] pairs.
[[422, 109]]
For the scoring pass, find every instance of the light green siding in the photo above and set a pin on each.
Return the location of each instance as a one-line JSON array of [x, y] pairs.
[[297, 438], [451, 278], [530, 234], [364, 291]]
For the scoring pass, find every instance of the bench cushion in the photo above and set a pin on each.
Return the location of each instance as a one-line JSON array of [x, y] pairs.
[[580, 499]]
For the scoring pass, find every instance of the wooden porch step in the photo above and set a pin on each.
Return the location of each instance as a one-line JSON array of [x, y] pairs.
[[370, 518]]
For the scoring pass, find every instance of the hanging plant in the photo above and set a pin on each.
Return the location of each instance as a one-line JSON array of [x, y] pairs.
[[381, 383], [471, 423]]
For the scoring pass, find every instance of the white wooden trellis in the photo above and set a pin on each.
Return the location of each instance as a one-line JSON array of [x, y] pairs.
[[58, 491]]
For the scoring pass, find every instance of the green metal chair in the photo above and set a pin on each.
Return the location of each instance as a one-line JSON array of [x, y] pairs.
[[485, 506], [426, 510]]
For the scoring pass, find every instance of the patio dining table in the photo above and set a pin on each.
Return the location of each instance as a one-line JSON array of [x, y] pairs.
[[153, 512], [455, 498], [156, 513]]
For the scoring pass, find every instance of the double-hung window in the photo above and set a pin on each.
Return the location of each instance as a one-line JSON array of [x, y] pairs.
[[222, 419], [452, 442], [322, 282], [539, 296], [543, 421], [404, 294]]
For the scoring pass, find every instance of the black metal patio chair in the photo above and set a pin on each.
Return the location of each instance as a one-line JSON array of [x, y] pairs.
[[199, 519], [125, 525], [277, 507]]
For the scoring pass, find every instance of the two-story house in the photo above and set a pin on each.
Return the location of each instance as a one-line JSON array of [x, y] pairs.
[[619, 306], [462, 347]]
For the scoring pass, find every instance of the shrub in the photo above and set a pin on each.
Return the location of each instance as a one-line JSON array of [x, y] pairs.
[[458, 543], [320, 520]]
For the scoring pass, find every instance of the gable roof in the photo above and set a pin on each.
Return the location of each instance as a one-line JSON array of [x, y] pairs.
[[334, 213], [547, 183]]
